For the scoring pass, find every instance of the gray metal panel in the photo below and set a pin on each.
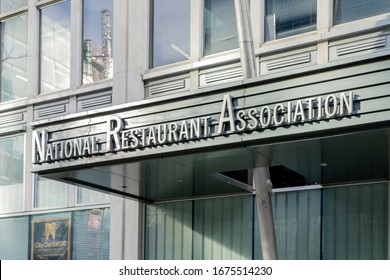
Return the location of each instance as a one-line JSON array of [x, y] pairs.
[[369, 82], [359, 46], [220, 75], [167, 86], [288, 61], [54, 109], [93, 101], [12, 119]]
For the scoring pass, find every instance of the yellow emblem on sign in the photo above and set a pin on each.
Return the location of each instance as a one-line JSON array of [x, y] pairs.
[[50, 229]]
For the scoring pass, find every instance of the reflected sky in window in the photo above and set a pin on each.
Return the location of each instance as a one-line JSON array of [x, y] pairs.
[[55, 47], [171, 37], [97, 40]]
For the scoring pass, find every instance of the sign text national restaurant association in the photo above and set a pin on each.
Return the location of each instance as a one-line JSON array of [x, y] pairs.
[[118, 137]]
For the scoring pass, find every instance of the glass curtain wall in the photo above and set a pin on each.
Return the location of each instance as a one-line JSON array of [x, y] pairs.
[[10, 5], [91, 234], [87, 230], [49, 193], [88, 196], [227, 228], [13, 58], [97, 40], [347, 10], [14, 236], [333, 223], [12, 174], [208, 229], [54, 194], [220, 27], [355, 222], [171, 31], [284, 18], [55, 47], [297, 217], [223, 229]]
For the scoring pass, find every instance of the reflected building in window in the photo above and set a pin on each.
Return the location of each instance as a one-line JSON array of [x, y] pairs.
[[55, 48], [14, 58], [97, 58]]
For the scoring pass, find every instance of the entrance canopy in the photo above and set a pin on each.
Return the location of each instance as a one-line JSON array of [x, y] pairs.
[[328, 126], [326, 161]]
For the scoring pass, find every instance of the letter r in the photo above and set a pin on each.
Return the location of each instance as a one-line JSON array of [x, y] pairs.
[[114, 126]]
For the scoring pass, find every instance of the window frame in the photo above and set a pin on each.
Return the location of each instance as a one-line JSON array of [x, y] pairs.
[[24, 137], [69, 196], [76, 47], [151, 56], [40, 6], [79, 9], [333, 18], [11, 15]]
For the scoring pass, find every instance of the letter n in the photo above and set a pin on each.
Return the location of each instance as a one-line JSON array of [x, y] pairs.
[[39, 146]]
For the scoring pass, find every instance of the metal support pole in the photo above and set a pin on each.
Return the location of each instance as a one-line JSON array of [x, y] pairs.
[[245, 39], [263, 188], [261, 179]]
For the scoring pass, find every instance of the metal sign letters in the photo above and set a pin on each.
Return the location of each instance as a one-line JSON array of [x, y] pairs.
[[120, 136]]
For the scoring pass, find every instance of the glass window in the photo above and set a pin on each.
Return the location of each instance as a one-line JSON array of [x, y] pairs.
[[297, 218], [87, 196], [12, 174], [223, 229], [355, 222], [49, 193], [13, 58], [9, 5], [286, 18], [171, 31], [55, 47], [220, 28], [169, 233], [91, 234], [228, 228], [347, 10], [14, 236], [97, 40], [203, 229], [88, 232]]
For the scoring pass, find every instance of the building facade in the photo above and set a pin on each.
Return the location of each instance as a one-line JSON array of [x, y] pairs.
[[178, 129]]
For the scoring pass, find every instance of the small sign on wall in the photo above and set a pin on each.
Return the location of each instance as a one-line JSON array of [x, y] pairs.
[[50, 239]]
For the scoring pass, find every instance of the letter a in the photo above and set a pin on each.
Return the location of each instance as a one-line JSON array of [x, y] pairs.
[[227, 115]]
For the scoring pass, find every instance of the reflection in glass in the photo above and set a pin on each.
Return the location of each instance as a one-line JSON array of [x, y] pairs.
[[13, 58], [171, 31], [286, 18], [216, 229], [14, 238], [55, 47], [228, 228], [97, 40], [11, 174], [355, 222], [10, 5], [220, 28], [49, 193], [87, 196], [346, 10], [91, 234]]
